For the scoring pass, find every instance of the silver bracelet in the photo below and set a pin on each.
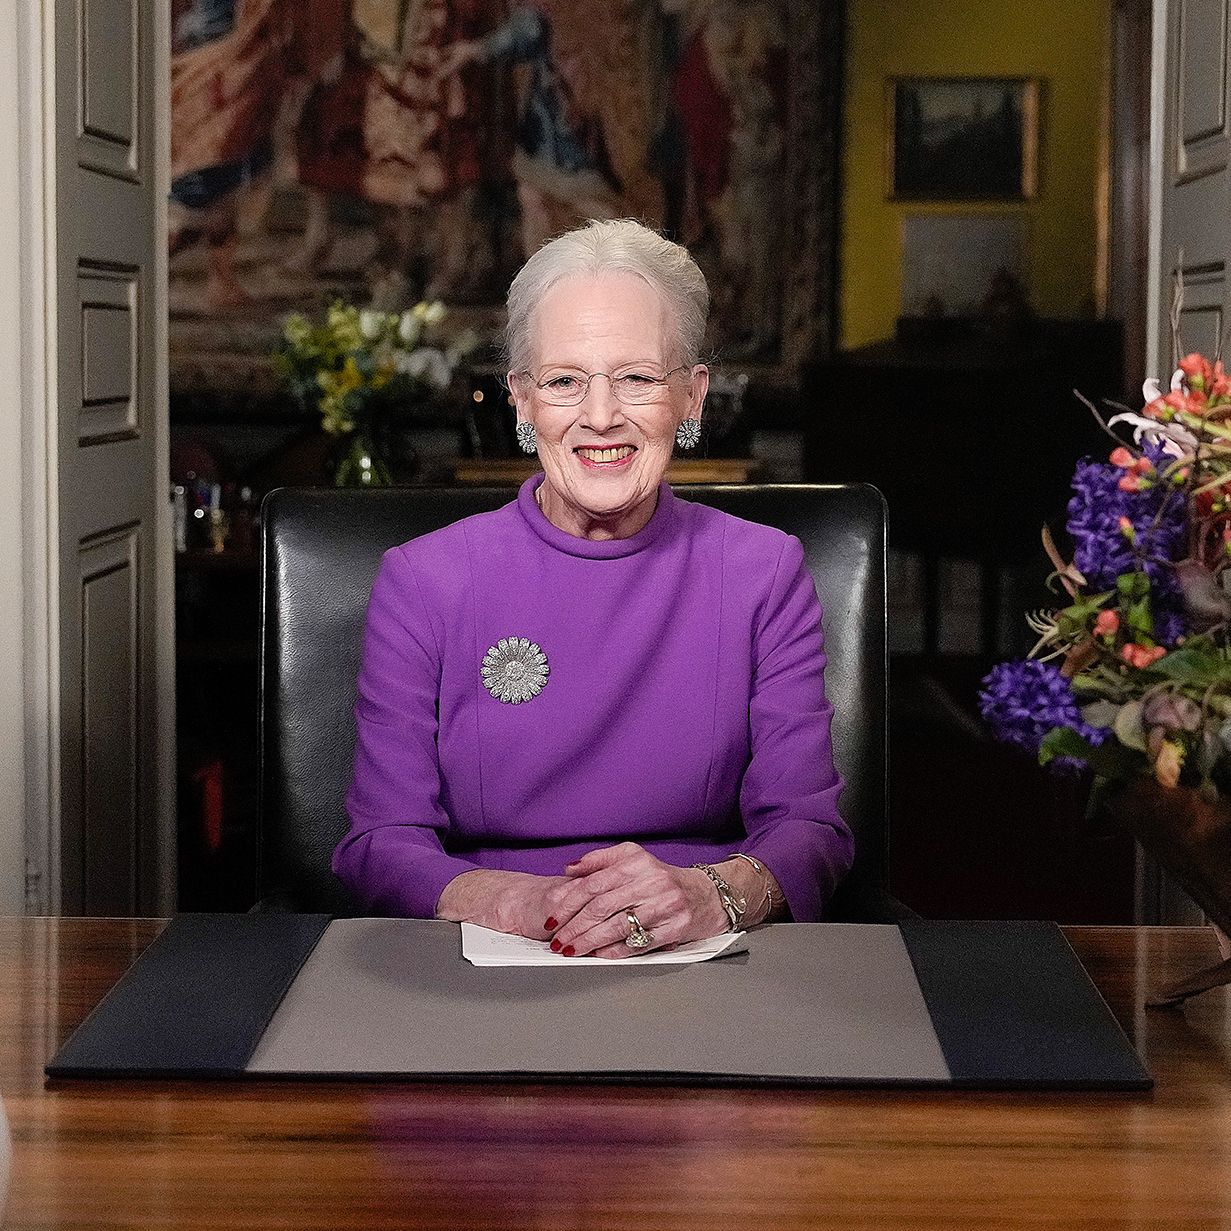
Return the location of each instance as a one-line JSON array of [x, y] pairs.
[[735, 905]]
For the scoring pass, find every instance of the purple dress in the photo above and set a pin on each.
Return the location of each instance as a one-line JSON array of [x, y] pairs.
[[673, 696]]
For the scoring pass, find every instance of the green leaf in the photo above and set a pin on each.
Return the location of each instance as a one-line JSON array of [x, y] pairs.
[[1075, 619], [1100, 713], [1133, 586], [1081, 609], [1194, 665], [1084, 682], [1140, 621], [1128, 728], [1109, 760], [1063, 742], [1134, 591]]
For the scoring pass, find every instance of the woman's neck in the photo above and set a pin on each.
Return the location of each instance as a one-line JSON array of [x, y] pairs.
[[577, 522]]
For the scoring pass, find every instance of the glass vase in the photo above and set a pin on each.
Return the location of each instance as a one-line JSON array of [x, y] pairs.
[[360, 464]]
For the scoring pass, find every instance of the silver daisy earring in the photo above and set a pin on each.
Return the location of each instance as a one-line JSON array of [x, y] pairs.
[[527, 437], [688, 433]]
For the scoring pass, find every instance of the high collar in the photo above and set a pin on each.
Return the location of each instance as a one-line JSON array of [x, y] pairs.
[[595, 549]]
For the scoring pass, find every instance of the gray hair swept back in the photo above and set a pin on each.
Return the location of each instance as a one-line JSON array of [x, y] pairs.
[[602, 246]]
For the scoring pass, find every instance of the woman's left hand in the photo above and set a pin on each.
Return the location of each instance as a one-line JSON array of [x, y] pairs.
[[675, 905]]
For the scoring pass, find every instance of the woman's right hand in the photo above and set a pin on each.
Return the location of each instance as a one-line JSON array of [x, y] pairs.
[[518, 903]]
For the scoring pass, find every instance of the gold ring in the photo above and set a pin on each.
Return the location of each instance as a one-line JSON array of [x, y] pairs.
[[638, 937]]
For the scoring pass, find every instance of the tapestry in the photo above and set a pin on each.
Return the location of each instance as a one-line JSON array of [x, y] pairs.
[[389, 151]]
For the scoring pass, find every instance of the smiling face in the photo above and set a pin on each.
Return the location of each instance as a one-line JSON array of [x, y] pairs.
[[603, 459]]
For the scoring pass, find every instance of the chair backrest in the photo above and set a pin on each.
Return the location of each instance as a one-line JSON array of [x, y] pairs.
[[320, 552]]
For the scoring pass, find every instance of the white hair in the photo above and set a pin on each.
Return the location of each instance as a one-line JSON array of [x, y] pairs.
[[618, 246]]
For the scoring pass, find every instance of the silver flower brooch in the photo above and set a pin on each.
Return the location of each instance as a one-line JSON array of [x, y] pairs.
[[515, 670]]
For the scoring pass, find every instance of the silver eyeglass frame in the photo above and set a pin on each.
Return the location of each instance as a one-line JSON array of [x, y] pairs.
[[659, 383]]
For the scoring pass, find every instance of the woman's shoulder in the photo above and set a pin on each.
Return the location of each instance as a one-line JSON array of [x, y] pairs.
[[443, 561], [751, 545]]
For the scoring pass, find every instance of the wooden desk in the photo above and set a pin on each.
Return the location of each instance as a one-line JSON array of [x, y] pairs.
[[455, 1157]]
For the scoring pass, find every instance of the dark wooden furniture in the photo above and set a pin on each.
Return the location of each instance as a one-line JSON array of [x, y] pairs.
[[972, 431], [972, 434], [371, 1155]]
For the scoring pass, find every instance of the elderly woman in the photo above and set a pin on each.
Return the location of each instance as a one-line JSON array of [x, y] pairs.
[[597, 715]]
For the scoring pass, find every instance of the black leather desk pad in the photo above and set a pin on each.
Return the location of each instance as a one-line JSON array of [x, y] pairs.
[[196, 1001], [929, 1004]]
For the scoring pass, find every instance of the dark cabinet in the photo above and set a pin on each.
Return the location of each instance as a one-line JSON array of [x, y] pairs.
[[971, 433]]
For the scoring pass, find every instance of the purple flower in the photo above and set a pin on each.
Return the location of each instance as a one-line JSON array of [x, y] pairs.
[[1170, 622], [1022, 701], [1102, 553]]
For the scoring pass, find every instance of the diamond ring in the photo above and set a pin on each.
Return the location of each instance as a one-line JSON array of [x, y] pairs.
[[638, 937]]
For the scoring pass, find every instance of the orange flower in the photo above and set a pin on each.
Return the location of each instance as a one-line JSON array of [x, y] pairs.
[[1197, 371], [1140, 656], [1107, 624], [1191, 401], [1221, 385], [1122, 457]]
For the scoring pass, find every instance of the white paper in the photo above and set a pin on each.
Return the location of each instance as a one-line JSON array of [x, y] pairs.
[[485, 947]]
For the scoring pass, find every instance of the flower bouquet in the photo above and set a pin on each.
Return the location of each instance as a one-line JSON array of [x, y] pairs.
[[1130, 677], [358, 366]]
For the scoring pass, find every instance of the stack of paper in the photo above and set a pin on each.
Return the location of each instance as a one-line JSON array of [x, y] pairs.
[[484, 947]]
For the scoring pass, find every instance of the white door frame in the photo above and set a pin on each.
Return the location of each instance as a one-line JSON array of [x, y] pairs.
[[164, 751], [1158, 112], [27, 670], [29, 568], [14, 255]]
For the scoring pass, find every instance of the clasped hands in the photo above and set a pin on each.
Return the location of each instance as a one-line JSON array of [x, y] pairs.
[[584, 912]]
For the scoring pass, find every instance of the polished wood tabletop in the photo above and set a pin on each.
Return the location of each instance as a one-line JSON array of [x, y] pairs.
[[326, 1155]]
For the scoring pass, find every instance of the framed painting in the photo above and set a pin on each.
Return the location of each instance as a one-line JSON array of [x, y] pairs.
[[391, 150], [962, 138]]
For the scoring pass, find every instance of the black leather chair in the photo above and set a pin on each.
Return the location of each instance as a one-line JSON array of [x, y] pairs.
[[321, 549]]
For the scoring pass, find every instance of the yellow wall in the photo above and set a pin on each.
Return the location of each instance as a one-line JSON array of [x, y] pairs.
[[1060, 41]]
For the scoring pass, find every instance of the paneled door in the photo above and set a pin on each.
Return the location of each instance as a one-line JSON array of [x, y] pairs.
[[1192, 232], [106, 474], [1195, 174]]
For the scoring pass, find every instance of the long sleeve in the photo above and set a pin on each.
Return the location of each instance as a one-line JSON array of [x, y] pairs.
[[789, 793], [393, 858]]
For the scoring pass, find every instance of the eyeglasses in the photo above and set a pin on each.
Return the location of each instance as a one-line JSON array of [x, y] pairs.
[[634, 386]]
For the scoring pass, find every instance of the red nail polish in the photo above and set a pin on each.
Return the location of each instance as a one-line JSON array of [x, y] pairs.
[[550, 925], [555, 946], [569, 950]]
